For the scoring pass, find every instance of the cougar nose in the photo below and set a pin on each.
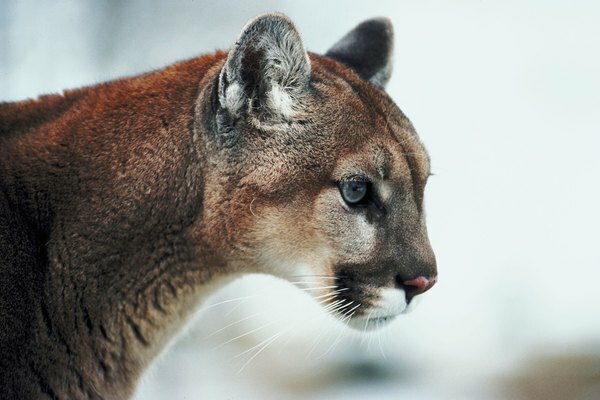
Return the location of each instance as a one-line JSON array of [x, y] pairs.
[[417, 286]]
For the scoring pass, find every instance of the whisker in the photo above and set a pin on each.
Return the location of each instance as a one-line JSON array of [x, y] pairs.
[[287, 340], [343, 319], [258, 345], [334, 293], [364, 338], [341, 307], [234, 323], [330, 298], [245, 334], [336, 341], [315, 343], [234, 308], [386, 337], [229, 301], [318, 288], [318, 338], [354, 308], [260, 350], [379, 339], [302, 282], [333, 305]]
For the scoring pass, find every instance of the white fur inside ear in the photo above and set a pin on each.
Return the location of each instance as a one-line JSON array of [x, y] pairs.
[[234, 98], [281, 102]]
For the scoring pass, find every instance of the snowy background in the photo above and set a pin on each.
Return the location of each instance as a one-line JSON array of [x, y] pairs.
[[505, 95]]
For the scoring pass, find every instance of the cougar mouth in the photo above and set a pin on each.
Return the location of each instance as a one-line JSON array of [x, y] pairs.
[[370, 323], [389, 304]]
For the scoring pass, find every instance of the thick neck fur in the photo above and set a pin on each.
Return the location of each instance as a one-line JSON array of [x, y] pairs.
[[102, 192]]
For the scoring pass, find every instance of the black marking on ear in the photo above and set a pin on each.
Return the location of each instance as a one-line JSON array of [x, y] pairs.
[[367, 49], [250, 72]]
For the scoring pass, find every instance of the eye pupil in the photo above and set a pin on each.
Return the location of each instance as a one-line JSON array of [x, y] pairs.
[[353, 191]]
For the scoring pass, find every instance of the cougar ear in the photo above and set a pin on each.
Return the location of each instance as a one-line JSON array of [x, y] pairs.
[[267, 71], [367, 49]]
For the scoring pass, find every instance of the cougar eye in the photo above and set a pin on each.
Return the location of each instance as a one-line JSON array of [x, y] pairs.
[[354, 191]]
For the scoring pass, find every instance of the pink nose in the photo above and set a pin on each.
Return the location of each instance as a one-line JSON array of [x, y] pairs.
[[415, 287]]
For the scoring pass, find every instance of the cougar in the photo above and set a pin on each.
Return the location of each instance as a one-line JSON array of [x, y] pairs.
[[124, 204]]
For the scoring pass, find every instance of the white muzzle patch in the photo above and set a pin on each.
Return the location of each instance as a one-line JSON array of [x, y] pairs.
[[391, 303]]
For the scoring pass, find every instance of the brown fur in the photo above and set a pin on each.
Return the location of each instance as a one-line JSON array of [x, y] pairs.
[[123, 204]]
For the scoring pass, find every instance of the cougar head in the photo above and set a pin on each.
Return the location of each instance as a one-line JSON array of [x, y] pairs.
[[324, 175]]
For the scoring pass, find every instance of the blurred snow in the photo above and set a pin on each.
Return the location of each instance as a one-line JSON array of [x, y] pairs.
[[505, 95]]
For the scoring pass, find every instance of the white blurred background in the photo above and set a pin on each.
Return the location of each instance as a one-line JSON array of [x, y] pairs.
[[505, 95]]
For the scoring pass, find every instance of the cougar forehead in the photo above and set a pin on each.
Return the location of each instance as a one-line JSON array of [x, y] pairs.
[[345, 123]]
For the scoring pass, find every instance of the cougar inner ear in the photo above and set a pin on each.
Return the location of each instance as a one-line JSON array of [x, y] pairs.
[[267, 71], [367, 49]]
